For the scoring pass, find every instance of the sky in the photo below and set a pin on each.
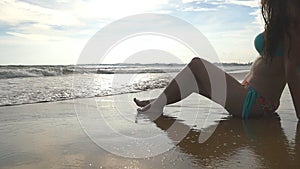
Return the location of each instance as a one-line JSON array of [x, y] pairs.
[[57, 31]]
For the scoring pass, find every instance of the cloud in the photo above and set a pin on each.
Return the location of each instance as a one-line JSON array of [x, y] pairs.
[[27, 24], [33, 19], [62, 12], [114, 9], [229, 23], [16, 12], [187, 1], [258, 17], [198, 9], [249, 3], [213, 5]]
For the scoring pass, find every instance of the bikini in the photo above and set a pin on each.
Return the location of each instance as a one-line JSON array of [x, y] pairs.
[[252, 95]]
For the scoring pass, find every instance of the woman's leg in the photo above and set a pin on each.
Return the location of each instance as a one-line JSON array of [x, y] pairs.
[[197, 77]]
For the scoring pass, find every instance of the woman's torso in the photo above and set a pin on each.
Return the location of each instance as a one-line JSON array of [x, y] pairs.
[[267, 78]]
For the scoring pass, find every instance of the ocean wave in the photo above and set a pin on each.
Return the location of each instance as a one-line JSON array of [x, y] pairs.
[[40, 71], [15, 72], [22, 71], [26, 84], [18, 91]]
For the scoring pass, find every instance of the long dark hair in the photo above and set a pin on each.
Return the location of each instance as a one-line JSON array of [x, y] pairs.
[[274, 14], [277, 23]]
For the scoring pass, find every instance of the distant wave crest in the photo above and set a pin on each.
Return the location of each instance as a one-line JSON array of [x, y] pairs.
[[40, 71], [15, 72]]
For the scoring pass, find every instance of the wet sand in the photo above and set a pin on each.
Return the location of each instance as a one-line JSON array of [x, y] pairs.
[[49, 135]]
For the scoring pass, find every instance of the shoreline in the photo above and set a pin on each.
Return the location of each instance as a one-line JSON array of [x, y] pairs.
[[237, 75], [49, 135]]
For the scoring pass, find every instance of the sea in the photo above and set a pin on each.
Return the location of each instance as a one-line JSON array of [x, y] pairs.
[[28, 84]]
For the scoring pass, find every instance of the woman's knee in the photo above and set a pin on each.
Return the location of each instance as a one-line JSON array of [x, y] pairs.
[[196, 65], [195, 60]]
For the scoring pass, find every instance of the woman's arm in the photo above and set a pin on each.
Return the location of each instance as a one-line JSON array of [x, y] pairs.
[[293, 80], [292, 70]]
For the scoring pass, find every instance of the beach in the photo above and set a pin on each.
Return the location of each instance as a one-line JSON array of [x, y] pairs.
[[71, 71], [105, 131], [49, 135]]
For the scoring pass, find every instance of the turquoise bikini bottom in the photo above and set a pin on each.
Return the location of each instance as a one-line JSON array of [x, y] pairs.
[[252, 96], [249, 102]]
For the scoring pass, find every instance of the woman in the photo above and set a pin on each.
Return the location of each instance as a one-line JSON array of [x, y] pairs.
[[260, 92]]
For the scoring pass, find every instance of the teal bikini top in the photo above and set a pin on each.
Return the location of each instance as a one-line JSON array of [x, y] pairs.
[[259, 46]]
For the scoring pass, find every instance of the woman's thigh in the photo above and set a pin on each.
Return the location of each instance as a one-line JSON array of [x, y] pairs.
[[221, 87], [235, 99]]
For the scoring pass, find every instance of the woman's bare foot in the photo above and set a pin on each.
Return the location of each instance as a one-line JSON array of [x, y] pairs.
[[151, 108], [142, 103], [151, 111]]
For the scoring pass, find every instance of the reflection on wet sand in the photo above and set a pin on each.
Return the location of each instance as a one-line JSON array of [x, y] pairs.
[[297, 147], [260, 142]]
